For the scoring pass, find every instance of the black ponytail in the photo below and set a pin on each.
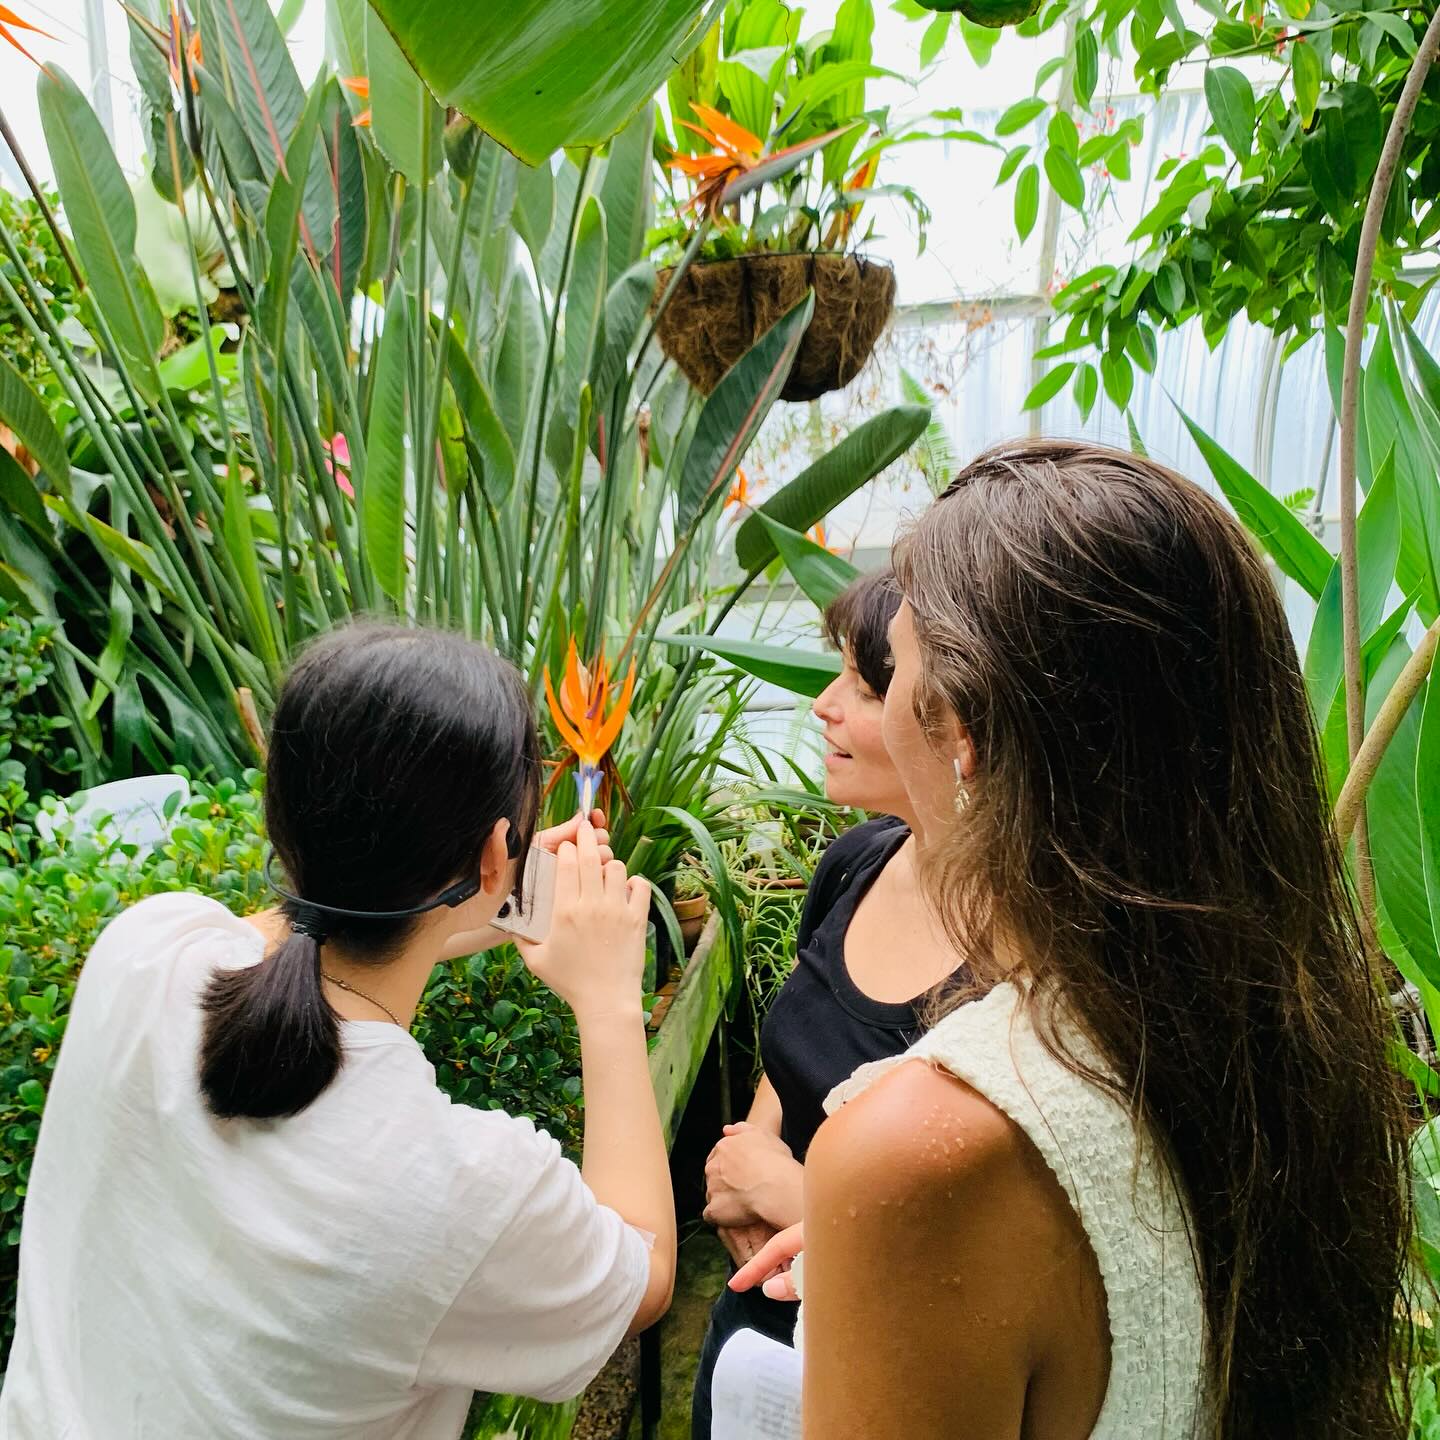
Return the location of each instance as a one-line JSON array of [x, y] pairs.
[[271, 1042], [393, 754]]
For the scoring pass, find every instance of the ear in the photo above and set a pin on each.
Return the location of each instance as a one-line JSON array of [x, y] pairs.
[[965, 750], [495, 863]]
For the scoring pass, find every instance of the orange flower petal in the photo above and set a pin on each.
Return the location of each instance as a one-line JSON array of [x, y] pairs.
[[357, 85], [703, 167], [567, 731], [9, 17], [361, 121], [727, 132], [610, 730], [573, 691]]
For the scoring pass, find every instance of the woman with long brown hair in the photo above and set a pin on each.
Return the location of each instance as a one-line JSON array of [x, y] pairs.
[[1149, 1184]]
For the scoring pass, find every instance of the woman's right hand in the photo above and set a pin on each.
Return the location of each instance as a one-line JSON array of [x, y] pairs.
[[593, 956], [773, 1268]]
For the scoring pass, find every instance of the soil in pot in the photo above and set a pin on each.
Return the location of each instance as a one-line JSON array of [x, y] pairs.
[[722, 307]]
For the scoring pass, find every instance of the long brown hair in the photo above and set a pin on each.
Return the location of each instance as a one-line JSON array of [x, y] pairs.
[[1149, 829]]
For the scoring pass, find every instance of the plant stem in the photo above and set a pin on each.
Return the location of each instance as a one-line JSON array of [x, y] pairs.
[[1387, 721], [533, 488], [1349, 407]]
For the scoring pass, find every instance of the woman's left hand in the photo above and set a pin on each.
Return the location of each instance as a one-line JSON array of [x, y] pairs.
[[751, 1175]]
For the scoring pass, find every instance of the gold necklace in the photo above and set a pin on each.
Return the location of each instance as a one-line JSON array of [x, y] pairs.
[[346, 985]]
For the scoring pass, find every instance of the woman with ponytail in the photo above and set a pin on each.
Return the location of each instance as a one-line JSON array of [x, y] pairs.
[[252, 1213]]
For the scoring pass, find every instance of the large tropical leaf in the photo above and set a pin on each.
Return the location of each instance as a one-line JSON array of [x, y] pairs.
[[1293, 548], [584, 302], [482, 424], [101, 215], [817, 490], [405, 120], [1378, 545], [805, 672], [246, 52], [625, 308], [538, 75], [736, 409], [627, 192], [21, 409], [821, 575], [1427, 799], [1395, 829], [383, 498]]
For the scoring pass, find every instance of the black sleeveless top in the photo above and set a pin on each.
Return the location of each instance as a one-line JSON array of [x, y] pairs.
[[822, 1026]]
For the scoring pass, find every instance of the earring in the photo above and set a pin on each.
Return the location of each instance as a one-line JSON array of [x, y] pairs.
[[962, 791]]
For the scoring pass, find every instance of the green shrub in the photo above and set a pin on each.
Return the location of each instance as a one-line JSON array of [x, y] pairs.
[[496, 1036], [27, 731]]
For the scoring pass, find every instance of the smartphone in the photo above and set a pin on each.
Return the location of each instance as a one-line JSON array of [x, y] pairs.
[[527, 912]]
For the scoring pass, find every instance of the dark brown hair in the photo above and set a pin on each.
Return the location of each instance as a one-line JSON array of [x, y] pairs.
[[857, 621], [393, 753], [1149, 829]]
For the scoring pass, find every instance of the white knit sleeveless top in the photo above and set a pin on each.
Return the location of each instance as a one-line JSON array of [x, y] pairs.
[[1120, 1191]]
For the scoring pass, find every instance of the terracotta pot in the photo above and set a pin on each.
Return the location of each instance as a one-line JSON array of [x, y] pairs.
[[692, 915], [722, 307]]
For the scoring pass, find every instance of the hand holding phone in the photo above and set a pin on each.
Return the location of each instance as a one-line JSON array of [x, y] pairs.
[[526, 914], [593, 951]]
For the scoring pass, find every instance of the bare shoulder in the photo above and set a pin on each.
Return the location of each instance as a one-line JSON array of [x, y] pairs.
[[916, 1133], [949, 1286]]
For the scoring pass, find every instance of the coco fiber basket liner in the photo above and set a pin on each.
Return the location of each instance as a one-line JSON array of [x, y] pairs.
[[722, 307]]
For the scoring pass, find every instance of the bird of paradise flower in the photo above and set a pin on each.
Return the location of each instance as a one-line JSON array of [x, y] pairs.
[[360, 85], [194, 51], [737, 162], [9, 21], [580, 715]]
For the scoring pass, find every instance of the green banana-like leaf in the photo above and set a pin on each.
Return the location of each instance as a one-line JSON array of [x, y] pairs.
[[817, 490], [347, 177], [625, 308], [21, 409], [628, 193], [406, 122], [1419, 491], [1378, 546], [383, 498], [537, 74], [246, 52], [535, 208], [1427, 799], [135, 554], [1396, 838], [101, 215], [482, 424], [584, 302], [19, 496], [282, 219], [823, 577], [1293, 548], [736, 409], [239, 538], [803, 671]]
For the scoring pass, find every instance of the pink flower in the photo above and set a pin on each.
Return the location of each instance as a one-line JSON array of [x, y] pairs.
[[337, 453]]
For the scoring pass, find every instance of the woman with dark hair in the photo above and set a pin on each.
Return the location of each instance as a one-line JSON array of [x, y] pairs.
[[869, 956], [1150, 1186], [252, 1212]]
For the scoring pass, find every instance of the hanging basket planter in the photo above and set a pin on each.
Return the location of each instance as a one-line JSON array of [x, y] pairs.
[[723, 306]]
